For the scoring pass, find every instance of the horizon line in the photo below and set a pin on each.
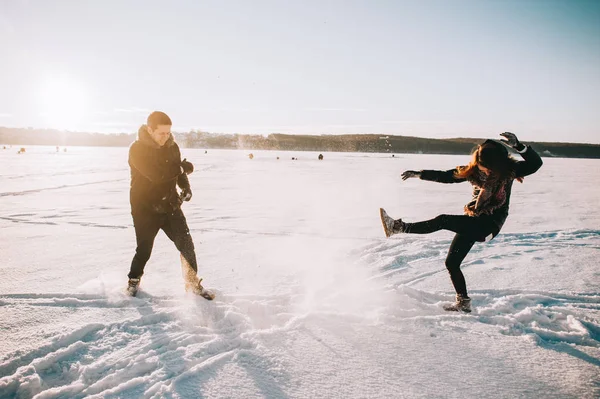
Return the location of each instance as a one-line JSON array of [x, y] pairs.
[[290, 134]]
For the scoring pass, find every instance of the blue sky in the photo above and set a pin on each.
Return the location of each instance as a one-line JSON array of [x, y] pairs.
[[422, 68]]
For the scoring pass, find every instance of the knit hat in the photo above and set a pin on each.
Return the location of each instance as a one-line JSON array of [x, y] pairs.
[[492, 155]]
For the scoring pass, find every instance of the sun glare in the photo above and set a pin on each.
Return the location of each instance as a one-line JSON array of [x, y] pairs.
[[63, 103]]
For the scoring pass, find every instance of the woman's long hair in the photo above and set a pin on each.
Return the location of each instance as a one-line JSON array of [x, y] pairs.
[[491, 155]]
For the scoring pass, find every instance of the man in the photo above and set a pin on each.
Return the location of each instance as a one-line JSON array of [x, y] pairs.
[[156, 171]]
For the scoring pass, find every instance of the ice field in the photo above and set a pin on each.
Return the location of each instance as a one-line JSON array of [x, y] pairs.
[[312, 300]]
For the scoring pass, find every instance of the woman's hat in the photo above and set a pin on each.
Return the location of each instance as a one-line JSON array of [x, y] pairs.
[[492, 154]]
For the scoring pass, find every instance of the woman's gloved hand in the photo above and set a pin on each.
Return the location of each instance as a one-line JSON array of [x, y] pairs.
[[512, 140], [410, 173]]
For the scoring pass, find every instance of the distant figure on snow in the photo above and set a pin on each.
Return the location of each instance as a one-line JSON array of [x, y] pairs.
[[491, 172], [156, 171], [21, 150], [251, 156], [320, 157]]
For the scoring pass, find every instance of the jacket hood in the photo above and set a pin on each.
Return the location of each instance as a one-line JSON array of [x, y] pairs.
[[144, 138]]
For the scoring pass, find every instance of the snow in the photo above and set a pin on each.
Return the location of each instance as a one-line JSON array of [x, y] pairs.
[[312, 299]]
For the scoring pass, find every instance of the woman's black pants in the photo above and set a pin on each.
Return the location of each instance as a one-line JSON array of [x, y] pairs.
[[468, 229]]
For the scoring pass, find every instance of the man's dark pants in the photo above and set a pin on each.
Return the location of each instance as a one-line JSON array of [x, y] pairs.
[[147, 224]]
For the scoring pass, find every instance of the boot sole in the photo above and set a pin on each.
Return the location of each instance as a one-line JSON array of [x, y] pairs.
[[207, 294], [452, 308], [385, 229]]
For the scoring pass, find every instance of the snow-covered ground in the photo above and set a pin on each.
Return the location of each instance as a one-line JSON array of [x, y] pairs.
[[313, 301]]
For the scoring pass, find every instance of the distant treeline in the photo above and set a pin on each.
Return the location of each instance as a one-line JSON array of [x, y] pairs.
[[338, 143]]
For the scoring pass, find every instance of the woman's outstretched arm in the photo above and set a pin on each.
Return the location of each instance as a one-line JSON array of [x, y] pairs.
[[440, 176]]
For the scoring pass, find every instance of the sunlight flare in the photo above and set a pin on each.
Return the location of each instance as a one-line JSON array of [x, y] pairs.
[[63, 103]]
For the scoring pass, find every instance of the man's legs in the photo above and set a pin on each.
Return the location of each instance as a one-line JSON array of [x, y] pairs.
[[177, 230], [146, 227]]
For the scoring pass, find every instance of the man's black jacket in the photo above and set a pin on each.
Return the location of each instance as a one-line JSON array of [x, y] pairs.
[[155, 173]]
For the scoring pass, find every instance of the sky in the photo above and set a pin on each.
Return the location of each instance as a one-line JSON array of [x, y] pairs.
[[419, 68]]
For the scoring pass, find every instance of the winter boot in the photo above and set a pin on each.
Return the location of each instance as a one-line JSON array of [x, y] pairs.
[[133, 286], [462, 304], [195, 286], [390, 226]]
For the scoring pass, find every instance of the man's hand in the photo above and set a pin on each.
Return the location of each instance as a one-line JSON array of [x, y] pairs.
[[187, 166], [410, 173], [512, 141], [186, 194]]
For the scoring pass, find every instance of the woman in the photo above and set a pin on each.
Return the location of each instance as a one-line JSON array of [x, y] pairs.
[[491, 172]]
